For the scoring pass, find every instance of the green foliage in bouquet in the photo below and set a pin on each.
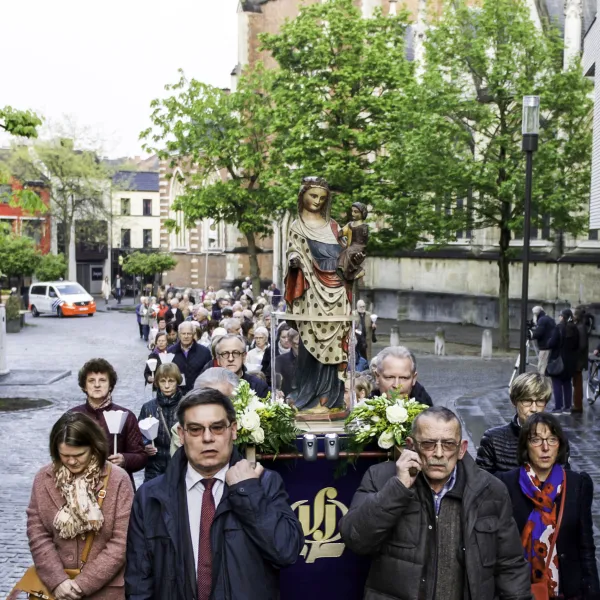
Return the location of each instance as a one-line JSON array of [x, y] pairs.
[[270, 426], [385, 419]]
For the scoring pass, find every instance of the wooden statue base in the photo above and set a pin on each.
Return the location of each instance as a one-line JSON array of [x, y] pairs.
[[322, 416]]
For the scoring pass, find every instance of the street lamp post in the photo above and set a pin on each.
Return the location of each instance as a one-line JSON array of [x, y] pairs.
[[531, 129]]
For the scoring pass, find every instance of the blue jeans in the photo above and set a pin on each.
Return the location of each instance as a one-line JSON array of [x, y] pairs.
[[563, 393], [146, 331]]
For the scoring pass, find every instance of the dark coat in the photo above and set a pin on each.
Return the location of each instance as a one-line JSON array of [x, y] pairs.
[[583, 349], [192, 365], [285, 364], [577, 570], [157, 464], [420, 394], [565, 343], [254, 534], [174, 316], [129, 442], [543, 330], [391, 523], [256, 384], [265, 365], [498, 449]]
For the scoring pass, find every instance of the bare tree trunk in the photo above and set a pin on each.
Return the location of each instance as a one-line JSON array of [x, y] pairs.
[[254, 268], [503, 298]]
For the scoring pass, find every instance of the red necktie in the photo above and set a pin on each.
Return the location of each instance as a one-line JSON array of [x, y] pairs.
[[207, 516]]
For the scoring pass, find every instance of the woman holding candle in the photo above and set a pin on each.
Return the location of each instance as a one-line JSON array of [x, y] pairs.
[[163, 408], [160, 347], [97, 379], [67, 506]]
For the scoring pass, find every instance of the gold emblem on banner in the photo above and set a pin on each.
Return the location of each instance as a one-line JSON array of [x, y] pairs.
[[320, 528]]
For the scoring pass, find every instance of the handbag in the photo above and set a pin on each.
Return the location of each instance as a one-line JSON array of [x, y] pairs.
[[555, 367], [31, 583], [539, 590]]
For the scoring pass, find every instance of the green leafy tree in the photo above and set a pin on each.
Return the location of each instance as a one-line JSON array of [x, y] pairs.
[[480, 62], [341, 82], [148, 265], [23, 123], [77, 182], [18, 256], [51, 267], [220, 140]]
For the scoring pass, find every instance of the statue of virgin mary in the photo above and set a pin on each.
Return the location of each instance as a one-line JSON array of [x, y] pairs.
[[318, 298]]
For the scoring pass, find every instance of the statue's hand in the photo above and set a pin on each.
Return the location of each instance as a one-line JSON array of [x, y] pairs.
[[294, 262]]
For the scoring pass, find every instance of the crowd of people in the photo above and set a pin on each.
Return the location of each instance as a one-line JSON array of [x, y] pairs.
[[207, 524]]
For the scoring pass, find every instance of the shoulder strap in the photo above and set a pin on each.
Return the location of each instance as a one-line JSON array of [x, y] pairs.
[[559, 521], [89, 540], [164, 422]]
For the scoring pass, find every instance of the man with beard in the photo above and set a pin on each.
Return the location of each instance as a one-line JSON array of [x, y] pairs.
[[436, 526]]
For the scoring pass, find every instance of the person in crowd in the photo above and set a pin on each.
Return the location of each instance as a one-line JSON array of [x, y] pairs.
[[248, 316], [217, 309], [226, 313], [285, 365], [275, 295], [540, 490], [362, 389], [164, 408], [206, 337], [184, 305], [145, 315], [161, 327], [214, 491], [97, 379], [564, 345], [247, 332], [282, 345], [119, 289], [160, 347], [190, 356], [529, 394], [232, 326], [106, 290], [434, 524], [171, 289], [79, 495], [230, 351], [172, 336], [397, 371], [138, 314], [542, 332], [261, 345], [174, 315], [367, 330], [581, 322], [215, 378]]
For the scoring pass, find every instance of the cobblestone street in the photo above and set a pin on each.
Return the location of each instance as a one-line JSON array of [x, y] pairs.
[[476, 388]]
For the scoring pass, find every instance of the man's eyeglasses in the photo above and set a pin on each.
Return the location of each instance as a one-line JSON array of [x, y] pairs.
[[538, 441], [198, 430], [234, 354], [538, 403], [430, 445]]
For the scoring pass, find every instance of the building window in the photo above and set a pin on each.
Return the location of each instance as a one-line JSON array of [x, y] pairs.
[[125, 206], [147, 238], [5, 193], [147, 208], [593, 235], [125, 238], [33, 230]]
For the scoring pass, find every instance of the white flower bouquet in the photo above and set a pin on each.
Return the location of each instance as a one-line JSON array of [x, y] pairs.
[[385, 419], [270, 426]]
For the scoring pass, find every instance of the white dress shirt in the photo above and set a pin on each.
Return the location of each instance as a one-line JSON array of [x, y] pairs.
[[195, 490]]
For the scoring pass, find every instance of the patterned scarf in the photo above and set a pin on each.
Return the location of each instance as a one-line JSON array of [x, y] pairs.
[[539, 531], [81, 512], [103, 404]]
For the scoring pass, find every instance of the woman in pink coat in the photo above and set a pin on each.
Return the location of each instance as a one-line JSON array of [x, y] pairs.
[[64, 509]]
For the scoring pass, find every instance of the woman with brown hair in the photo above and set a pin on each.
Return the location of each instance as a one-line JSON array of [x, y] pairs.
[[97, 379], [77, 500]]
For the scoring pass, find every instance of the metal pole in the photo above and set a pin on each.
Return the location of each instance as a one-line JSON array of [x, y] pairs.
[[529, 145]]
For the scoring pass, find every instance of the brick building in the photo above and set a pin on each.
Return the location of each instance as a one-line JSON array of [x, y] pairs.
[[37, 226]]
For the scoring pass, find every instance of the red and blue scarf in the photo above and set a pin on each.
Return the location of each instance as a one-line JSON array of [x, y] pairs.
[[539, 531]]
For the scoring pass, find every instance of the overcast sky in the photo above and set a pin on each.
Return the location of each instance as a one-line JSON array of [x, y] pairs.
[[102, 63]]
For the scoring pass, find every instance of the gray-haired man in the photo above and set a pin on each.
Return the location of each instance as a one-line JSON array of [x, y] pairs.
[[437, 526]]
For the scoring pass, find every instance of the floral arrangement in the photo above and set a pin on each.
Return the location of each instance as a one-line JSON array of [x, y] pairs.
[[270, 426], [386, 419]]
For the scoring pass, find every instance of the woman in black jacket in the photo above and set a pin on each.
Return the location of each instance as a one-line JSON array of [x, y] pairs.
[[164, 408], [564, 345], [537, 491]]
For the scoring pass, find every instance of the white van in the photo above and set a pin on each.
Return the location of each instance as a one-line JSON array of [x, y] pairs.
[[62, 298]]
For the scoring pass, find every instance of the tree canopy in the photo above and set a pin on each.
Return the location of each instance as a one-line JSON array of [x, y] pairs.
[[51, 267], [140, 263]]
